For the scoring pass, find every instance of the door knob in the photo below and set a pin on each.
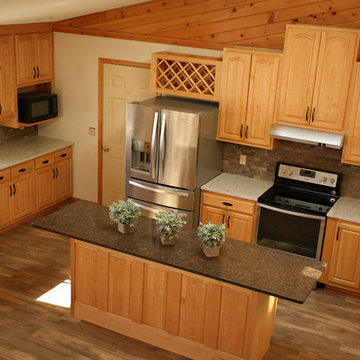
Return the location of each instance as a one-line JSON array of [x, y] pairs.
[[106, 148]]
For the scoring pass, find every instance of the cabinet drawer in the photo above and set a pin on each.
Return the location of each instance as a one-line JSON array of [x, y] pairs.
[[23, 168], [229, 203], [44, 160], [4, 175], [63, 154]]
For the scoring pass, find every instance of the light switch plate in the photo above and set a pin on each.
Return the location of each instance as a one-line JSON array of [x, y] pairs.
[[92, 131], [242, 159]]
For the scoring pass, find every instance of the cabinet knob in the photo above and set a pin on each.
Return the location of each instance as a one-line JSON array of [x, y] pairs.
[[106, 148]]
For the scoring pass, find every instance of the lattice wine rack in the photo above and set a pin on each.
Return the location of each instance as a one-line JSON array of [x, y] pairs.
[[186, 75]]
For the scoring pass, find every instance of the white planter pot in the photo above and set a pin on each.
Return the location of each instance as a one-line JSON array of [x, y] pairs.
[[125, 229], [211, 251], [167, 240]]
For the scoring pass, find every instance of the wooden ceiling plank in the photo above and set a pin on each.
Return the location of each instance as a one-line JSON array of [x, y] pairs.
[[268, 10], [145, 8], [269, 42], [172, 13], [174, 27]]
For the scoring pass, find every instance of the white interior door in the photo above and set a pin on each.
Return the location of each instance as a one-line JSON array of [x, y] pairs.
[[121, 84]]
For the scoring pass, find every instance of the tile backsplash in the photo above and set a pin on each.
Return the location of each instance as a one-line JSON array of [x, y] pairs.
[[261, 163], [8, 134]]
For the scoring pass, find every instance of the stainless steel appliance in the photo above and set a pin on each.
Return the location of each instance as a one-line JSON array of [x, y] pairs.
[[171, 150], [291, 215]]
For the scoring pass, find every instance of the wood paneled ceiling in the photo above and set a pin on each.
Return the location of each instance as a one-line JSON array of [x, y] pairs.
[[213, 24]]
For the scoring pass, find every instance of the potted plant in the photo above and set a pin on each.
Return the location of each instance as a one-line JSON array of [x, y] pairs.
[[169, 224], [212, 236], [126, 214]]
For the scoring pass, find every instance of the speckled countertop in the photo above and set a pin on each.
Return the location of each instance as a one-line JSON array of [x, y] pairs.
[[258, 268], [346, 209], [239, 186], [29, 148]]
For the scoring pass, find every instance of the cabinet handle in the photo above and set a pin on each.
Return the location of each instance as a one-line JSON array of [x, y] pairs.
[[1, 177], [10, 190], [312, 117], [22, 170], [241, 129], [14, 189], [223, 219], [45, 161], [228, 222], [63, 155], [307, 113], [57, 173], [38, 72], [227, 203], [53, 174], [0, 109], [246, 131], [34, 72], [337, 234]]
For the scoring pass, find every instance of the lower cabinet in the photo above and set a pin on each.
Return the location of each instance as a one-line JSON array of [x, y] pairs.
[[34, 185], [186, 313], [341, 251], [237, 214]]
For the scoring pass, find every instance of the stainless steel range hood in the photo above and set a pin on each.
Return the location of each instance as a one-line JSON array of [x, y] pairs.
[[307, 136]]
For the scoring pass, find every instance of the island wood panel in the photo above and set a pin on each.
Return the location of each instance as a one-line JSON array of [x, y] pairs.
[[213, 319], [213, 23]]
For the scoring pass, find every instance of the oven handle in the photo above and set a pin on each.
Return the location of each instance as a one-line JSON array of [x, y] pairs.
[[294, 213]]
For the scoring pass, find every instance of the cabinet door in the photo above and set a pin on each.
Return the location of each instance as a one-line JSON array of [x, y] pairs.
[[351, 151], [344, 267], [261, 102], [337, 57], [63, 181], [23, 196], [240, 226], [5, 203], [234, 95], [213, 214], [25, 59], [44, 186], [44, 55], [7, 77], [298, 79]]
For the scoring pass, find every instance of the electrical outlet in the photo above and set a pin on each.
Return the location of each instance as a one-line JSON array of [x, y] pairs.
[[92, 131], [242, 159]]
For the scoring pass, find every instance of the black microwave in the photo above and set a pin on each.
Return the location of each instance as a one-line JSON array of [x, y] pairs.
[[37, 106]]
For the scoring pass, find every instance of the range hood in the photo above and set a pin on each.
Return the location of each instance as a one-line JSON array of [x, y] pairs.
[[307, 136]]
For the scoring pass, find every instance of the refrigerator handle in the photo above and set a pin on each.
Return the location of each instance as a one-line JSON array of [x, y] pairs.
[[162, 142], [153, 158]]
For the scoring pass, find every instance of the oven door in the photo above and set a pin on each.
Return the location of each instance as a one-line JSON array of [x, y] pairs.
[[289, 231]]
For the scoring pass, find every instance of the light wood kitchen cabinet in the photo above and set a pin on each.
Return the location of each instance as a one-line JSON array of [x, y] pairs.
[[247, 103], [316, 74], [53, 177], [34, 57], [341, 251], [5, 199], [169, 307], [7, 77], [351, 150], [237, 214]]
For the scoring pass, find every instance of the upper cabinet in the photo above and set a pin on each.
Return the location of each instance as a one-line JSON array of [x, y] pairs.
[[316, 76], [7, 77], [247, 102], [34, 58]]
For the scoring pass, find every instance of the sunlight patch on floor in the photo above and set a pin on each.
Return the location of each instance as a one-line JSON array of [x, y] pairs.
[[60, 295]]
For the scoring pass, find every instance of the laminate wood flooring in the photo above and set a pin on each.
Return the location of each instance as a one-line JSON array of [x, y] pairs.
[[33, 261]]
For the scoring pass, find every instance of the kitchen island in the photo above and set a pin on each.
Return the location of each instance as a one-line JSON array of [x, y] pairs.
[[173, 296]]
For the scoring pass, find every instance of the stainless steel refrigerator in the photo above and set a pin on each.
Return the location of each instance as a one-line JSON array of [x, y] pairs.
[[171, 150]]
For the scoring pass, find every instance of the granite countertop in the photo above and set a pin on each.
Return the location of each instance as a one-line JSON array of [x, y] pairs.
[[29, 148], [237, 185], [258, 268], [346, 209]]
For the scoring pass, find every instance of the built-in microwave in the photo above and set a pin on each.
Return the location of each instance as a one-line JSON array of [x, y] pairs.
[[35, 106]]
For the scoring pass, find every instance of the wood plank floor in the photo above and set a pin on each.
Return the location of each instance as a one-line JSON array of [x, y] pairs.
[[32, 261]]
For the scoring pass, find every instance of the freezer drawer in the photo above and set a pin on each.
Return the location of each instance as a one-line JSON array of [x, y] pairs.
[[161, 195], [149, 210]]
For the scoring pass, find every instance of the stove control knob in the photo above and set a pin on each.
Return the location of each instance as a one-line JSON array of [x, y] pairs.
[[324, 179], [332, 200], [283, 171], [332, 180], [290, 172]]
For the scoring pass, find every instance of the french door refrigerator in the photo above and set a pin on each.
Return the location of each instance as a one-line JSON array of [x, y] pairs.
[[171, 150]]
